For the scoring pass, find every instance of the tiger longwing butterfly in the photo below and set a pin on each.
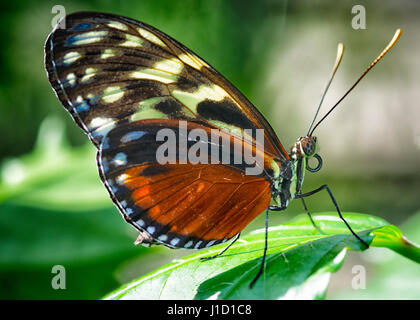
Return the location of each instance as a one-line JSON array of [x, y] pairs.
[[123, 81]]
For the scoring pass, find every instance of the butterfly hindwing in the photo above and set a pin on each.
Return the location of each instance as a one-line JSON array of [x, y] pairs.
[[107, 70], [179, 205]]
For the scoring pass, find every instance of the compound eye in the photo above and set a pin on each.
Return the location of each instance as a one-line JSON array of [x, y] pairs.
[[309, 148]]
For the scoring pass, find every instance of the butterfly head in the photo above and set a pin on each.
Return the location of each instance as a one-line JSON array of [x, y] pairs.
[[306, 147]]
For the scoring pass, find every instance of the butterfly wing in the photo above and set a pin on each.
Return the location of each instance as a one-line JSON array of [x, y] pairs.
[[122, 80], [107, 70], [180, 205]]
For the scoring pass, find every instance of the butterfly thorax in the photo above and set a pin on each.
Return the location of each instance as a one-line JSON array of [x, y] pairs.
[[289, 181]]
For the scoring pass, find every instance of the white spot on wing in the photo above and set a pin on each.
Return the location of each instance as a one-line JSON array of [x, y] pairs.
[[151, 37], [174, 241], [188, 244], [153, 74], [192, 99], [89, 73], [187, 59], [88, 37], [163, 237], [121, 178], [210, 243], [71, 57], [112, 94], [71, 79], [103, 130], [197, 245], [131, 136], [108, 53], [192, 60], [81, 104], [117, 25], [98, 122], [169, 65], [120, 159], [132, 41]]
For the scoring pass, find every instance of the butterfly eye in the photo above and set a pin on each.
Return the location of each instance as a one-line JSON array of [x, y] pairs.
[[308, 146]]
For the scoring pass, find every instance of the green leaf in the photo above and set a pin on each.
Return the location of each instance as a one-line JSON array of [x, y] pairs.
[[391, 237], [299, 262]]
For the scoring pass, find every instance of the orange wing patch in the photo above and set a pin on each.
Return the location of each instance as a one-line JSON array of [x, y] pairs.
[[210, 202]]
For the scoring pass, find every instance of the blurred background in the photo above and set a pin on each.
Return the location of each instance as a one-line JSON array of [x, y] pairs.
[[54, 210]]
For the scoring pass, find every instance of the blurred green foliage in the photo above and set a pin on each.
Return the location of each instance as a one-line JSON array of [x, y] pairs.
[[53, 208], [46, 219]]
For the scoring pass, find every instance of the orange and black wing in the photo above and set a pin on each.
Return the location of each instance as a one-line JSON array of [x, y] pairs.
[[179, 205]]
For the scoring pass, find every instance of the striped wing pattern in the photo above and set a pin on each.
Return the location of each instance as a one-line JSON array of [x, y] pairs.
[[107, 69]]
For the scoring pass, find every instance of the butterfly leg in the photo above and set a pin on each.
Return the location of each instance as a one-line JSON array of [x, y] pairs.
[[260, 271], [307, 194], [224, 249], [310, 217], [273, 208]]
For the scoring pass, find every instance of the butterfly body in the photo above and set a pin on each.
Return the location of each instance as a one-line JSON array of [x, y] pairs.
[[289, 181], [123, 82]]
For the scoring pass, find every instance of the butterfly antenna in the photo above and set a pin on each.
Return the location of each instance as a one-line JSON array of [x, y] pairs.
[[387, 48], [340, 52]]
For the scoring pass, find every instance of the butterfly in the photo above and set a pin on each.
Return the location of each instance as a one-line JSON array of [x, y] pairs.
[[123, 82]]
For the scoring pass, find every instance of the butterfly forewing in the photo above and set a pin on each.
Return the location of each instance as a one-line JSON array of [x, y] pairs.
[[107, 69]]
